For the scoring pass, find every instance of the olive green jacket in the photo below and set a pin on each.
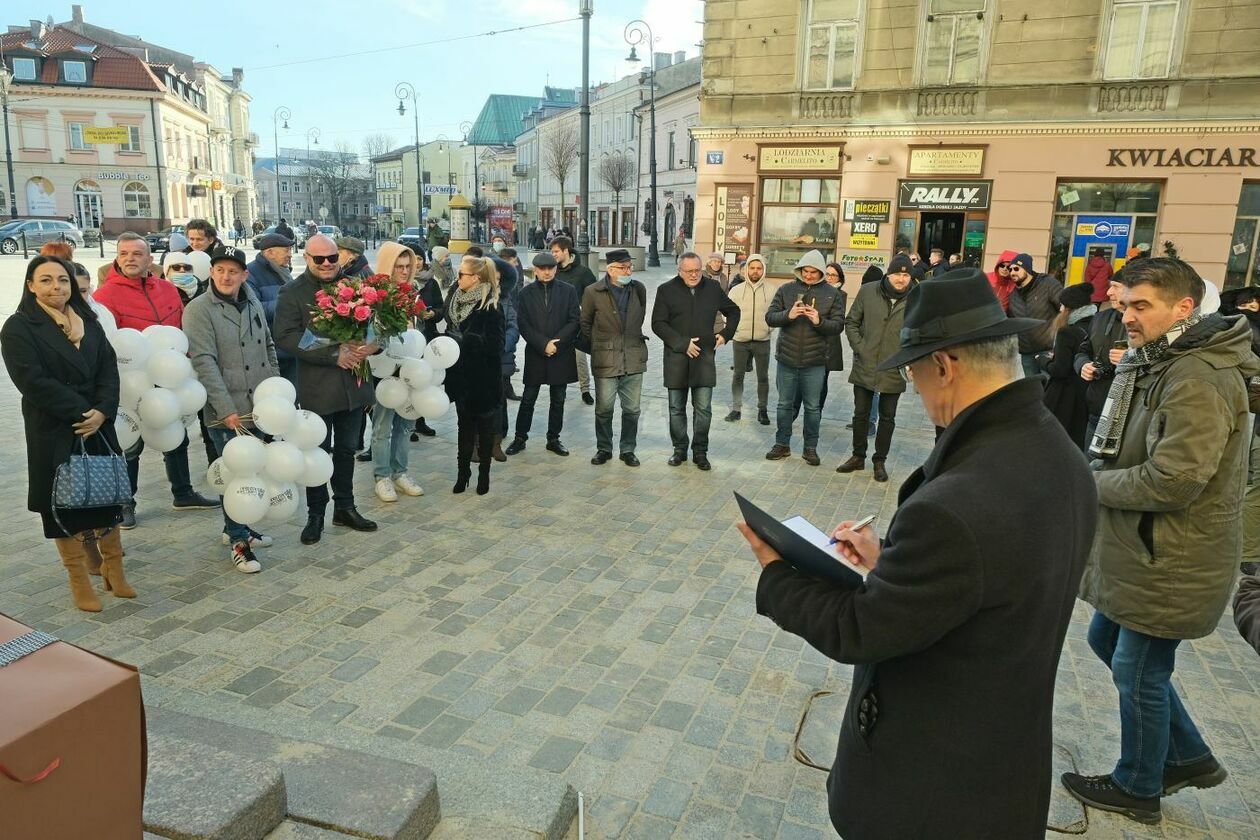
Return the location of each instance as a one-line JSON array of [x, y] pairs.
[[1168, 543]]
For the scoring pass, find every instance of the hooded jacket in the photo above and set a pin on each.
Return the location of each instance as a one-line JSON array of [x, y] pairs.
[[1168, 545], [140, 303], [803, 344], [1098, 274], [753, 300], [1003, 286], [1039, 299]]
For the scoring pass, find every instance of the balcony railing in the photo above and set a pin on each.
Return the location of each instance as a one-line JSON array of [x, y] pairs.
[[948, 102], [827, 106], [1129, 98]]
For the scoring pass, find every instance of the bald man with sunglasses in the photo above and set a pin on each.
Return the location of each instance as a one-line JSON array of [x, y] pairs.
[[327, 385]]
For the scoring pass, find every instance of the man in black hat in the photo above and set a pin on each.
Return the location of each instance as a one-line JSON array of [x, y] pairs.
[[957, 630], [1034, 296], [548, 316]]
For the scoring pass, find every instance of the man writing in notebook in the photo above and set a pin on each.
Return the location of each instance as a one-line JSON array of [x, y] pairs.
[[957, 629]]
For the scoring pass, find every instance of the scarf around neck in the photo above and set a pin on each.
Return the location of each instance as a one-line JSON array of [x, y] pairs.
[[890, 291], [69, 322], [462, 303], [1115, 414], [1081, 313]]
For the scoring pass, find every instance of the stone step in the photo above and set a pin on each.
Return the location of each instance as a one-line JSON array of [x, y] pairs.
[[199, 792], [355, 793], [289, 830], [488, 800]]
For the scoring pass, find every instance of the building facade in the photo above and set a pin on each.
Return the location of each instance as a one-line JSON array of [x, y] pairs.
[[858, 126], [677, 115]]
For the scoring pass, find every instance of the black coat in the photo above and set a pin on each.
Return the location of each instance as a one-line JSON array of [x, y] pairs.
[[681, 314], [475, 381], [1065, 390], [58, 383], [546, 311], [1105, 329], [431, 294], [957, 632]]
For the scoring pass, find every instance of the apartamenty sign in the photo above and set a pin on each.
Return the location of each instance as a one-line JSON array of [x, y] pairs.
[[941, 160], [944, 195], [1177, 158], [800, 158]]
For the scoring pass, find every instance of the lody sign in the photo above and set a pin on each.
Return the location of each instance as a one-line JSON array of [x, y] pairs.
[[944, 195]]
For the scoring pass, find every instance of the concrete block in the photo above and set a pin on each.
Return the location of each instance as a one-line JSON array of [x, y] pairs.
[[301, 831], [198, 792]]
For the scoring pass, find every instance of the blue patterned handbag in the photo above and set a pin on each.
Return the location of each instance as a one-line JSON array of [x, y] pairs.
[[91, 481]]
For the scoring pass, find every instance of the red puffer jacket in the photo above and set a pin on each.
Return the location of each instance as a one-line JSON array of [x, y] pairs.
[[140, 303]]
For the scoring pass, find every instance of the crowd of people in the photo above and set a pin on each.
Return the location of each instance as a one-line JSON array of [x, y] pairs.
[[1127, 397]]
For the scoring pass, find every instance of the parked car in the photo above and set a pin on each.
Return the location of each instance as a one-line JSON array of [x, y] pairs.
[[413, 238], [161, 241], [37, 231], [329, 230]]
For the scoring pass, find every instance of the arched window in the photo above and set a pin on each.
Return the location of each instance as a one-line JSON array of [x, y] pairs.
[[136, 203], [41, 197]]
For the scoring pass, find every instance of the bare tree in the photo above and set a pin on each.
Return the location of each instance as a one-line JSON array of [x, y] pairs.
[[560, 153], [617, 172], [338, 176], [375, 145]]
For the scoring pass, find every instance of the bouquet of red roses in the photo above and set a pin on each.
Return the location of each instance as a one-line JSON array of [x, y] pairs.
[[353, 310]]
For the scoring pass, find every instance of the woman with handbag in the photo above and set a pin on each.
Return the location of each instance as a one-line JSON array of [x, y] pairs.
[[474, 383], [61, 362]]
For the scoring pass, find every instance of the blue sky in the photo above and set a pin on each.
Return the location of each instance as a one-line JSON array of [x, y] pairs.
[[335, 63]]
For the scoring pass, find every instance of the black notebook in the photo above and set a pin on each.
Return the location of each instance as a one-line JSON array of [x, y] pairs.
[[802, 545]]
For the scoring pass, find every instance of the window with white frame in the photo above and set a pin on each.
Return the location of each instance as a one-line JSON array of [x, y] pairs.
[[1140, 39], [133, 140], [831, 44], [74, 71], [136, 201], [24, 69], [284, 186], [76, 137], [951, 46]]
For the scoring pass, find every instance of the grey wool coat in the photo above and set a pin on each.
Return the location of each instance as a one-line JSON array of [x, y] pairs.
[[231, 350]]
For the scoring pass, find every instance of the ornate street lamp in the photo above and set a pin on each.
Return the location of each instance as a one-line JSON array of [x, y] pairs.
[[281, 114], [403, 91], [638, 32]]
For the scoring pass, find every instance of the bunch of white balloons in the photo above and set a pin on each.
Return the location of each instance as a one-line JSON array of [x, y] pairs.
[[262, 481], [159, 395], [412, 373]]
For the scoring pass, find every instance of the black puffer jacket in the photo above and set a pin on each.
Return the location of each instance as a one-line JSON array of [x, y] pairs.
[[1039, 299], [802, 344]]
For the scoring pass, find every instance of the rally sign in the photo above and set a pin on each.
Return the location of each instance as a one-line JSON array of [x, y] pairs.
[[944, 195]]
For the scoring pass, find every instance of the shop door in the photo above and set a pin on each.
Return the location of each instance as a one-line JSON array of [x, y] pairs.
[[1110, 234], [87, 209], [603, 228], [941, 230]]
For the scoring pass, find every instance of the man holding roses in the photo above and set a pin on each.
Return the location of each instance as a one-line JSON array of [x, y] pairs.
[[329, 384]]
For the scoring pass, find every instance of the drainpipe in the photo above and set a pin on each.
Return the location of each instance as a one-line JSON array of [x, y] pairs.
[[157, 155]]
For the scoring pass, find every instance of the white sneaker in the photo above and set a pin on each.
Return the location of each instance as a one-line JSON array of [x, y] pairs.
[[385, 490], [406, 485], [255, 540], [244, 559]]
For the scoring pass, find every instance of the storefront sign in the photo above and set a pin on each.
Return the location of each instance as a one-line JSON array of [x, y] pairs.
[[856, 263], [732, 220], [866, 227], [945, 161], [122, 176], [869, 241], [439, 189], [108, 135], [800, 158], [1195, 157], [944, 195], [216, 184], [1102, 230], [867, 209]]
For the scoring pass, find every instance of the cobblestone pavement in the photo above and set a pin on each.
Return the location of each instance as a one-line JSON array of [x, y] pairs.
[[596, 622]]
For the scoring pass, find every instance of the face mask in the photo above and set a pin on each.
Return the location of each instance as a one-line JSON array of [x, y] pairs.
[[624, 280], [498, 246], [186, 283]]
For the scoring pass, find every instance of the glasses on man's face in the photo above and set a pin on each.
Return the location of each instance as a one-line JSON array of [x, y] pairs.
[[179, 267], [320, 259]]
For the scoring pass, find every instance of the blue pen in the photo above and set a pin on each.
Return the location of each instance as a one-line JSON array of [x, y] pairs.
[[857, 526]]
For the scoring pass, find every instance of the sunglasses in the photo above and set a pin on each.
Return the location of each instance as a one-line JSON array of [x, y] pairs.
[[1002, 266], [179, 267], [469, 274], [320, 259]]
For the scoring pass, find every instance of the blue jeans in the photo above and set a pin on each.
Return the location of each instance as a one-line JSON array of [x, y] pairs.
[[236, 531], [628, 390], [390, 439], [701, 408], [1155, 729], [807, 382]]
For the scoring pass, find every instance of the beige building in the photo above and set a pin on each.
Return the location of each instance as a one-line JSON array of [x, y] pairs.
[[856, 126]]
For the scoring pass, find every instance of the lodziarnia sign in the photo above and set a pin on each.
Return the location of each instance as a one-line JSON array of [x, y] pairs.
[[1195, 157]]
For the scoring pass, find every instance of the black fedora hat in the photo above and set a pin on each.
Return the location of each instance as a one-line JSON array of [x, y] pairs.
[[957, 307]]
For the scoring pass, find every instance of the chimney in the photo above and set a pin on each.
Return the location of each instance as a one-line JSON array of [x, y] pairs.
[[660, 60], [680, 56], [76, 14], [238, 76], [37, 30]]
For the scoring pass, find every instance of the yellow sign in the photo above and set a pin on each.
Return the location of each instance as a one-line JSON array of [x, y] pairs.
[[1085, 229], [800, 158], [865, 241], [944, 161], [108, 135], [216, 184]]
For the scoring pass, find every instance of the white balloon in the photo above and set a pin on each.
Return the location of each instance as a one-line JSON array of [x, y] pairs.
[[245, 456], [319, 468], [275, 416], [131, 348], [408, 410], [391, 393], [283, 499], [127, 427], [309, 431], [442, 352], [284, 461], [382, 365], [275, 386], [163, 337], [132, 384], [158, 407], [439, 376], [191, 424], [417, 373], [413, 343], [164, 438], [169, 369], [191, 395], [396, 349], [218, 476], [432, 402], [245, 499]]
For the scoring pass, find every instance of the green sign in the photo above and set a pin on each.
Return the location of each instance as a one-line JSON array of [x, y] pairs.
[[973, 239]]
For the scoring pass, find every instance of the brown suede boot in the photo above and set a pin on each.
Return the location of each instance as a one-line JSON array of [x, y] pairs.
[[93, 558], [112, 575], [496, 451], [75, 560]]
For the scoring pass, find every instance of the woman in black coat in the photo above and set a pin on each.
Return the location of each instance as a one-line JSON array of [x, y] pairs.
[[61, 362], [475, 383], [429, 291], [1065, 390]]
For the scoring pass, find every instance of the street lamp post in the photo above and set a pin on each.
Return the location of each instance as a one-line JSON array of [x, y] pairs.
[[5, 78], [403, 91], [312, 133], [586, 8], [638, 32], [281, 114]]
